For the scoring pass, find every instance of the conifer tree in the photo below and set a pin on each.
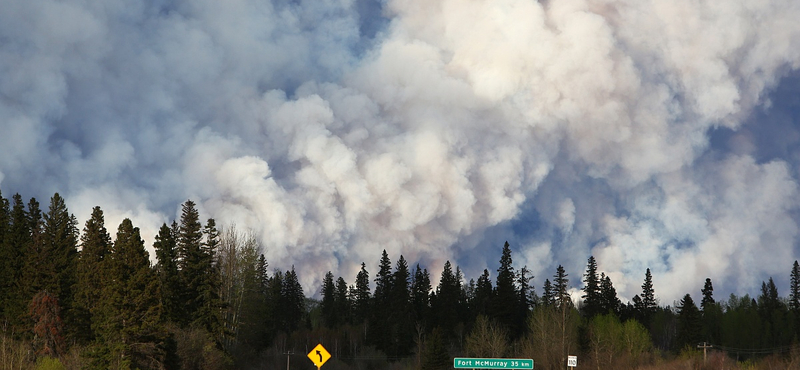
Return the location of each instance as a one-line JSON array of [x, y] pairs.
[[362, 296], [210, 305], [420, 294], [293, 301], [505, 303], [646, 303], [401, 332], [483, 295], [561, 288], [445, 303], [190, 260], [341, 302], [128, 319], [708, 295], [591, 290], [548, 297], [609, 303], [328, 305], [92, 273], [525, 293], [794, 288], [17, 240], [689, 322], [166, 269]]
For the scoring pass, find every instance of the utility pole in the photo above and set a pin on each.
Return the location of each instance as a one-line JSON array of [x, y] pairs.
[[287, 358], [704, 346]]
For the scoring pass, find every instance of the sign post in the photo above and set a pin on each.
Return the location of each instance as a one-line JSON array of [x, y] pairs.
[[319, 355], [572, 361], [492, 363]]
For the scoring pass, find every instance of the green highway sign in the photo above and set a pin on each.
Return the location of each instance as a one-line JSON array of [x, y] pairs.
[[492, 363]]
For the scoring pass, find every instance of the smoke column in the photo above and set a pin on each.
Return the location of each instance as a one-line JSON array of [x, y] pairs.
[[658, 134]]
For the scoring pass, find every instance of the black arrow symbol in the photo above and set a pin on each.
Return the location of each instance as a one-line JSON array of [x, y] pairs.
[[320, 356]]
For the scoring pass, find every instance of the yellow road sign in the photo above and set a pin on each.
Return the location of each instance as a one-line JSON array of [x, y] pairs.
[[319, 355]]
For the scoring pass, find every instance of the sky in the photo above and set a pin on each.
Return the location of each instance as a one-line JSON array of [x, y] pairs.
[[661, 134]]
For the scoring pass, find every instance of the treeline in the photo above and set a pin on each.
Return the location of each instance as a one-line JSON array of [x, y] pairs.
[[82, 299], [85, 300]]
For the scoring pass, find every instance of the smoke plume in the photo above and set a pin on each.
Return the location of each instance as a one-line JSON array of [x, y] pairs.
[[658, 134]]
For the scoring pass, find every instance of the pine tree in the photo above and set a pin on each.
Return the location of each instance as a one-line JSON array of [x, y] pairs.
[[689, 323], [483, 295], [92, 273], [190, 261], [341, 302], [293, 301], [362, 297], [420, 295], [591, 290], [128, 319], [17, 241], [561, 288], [708, 295], [794, 288], [609, 303], [401, 333], [646, 304], [210, 305], [383, 280], [446, 302], [505, 303], [328, 306], [165, 247], [380, 307], [548, 296], [525, 293]]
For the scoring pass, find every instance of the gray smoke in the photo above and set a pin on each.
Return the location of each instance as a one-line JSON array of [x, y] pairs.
[[633, 131]]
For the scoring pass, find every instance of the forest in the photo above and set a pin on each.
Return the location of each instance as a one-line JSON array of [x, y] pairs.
[[84, 297]]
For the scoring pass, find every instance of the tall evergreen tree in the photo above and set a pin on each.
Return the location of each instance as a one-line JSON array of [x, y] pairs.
[[60, 242], [210, 305], [92, 273], [362, 296], [591, 290], [505, 304], [548, 296], [689, 323], [17, 240], [609, 303], [328, 305], [128, 319], [794, 288], [525, 293], [420, 294], [708, 295], [401, 333], [646, 305], [165, 246], [341, 302], [561, 288], [293, 301], [483, 295], [190, 260], [445, 303]]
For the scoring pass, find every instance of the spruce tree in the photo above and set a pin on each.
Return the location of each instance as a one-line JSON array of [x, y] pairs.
[[362, 296], [505, 303], [17, 240], [446, 302], [525, 293], [91, 272], [561, 288], [401, 333], [591, 290], [60, 244], [293, 301], [341, 302], [548, 297], [794, 288], [708, 295], [646, 304], [128, 319], [609, 303], [483, 295], [328, 305], [190, 261], [210, 305], [381, 305], [689, 323], [165, 247], [420, 295]]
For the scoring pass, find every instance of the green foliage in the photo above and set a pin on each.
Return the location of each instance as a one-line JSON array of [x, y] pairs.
[[49, 363], [592, 299]]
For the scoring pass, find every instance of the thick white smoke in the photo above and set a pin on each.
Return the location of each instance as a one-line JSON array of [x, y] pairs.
[[437, 133]]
